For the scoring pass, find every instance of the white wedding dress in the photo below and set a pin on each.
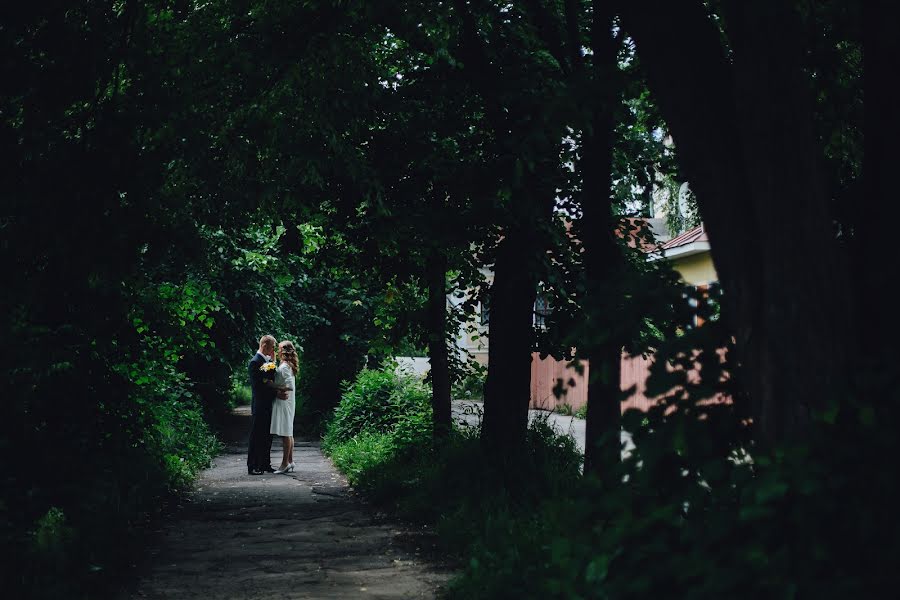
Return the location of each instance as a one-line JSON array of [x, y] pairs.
[[283, 410]]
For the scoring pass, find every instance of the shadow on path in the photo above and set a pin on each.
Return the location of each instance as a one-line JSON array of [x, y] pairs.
[[300, 535]]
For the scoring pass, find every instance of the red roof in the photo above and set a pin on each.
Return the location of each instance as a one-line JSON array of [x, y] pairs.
[[697, 234], [634, 230]]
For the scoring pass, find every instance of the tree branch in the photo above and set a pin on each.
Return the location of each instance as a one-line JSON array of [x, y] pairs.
[[573, 31], [548, 28]]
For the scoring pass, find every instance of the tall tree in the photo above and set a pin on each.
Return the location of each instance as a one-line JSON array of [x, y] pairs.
[[741, 116], [603, 260], [878, 328], [518, 90]]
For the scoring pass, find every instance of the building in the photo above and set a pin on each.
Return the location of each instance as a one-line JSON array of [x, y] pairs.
[[690, 256]]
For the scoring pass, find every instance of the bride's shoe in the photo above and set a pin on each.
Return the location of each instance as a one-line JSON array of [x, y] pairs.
[[282, 470], [289, 468]]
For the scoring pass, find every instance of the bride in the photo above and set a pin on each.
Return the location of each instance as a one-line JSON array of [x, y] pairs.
[[283, 408]]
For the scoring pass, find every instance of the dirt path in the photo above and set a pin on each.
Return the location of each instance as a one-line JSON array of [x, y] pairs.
[[301, 535]]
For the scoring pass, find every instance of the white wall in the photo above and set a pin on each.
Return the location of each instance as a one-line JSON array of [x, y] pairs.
[[415, 365]]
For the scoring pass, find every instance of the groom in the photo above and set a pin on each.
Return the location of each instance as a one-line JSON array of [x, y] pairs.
[[258, 460]]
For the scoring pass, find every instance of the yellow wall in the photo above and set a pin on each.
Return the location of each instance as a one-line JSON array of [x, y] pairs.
[[696, 269]]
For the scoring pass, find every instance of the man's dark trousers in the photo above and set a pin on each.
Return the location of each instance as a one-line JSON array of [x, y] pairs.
[[260, 444]]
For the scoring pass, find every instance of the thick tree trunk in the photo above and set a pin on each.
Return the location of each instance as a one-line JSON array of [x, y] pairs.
[[873, 243], [603, 447], [744, 136], [692, 82], [603, 259], [508, 387], [806, 328], [437, 344]]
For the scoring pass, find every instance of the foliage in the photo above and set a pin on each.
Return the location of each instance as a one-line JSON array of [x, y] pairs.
[[184, 177], [241, 395], [469, 496], [680, 207], [581, 413], [699, 510], [643, 155], [456, 481], [360, 455], [116, 330], [564, 409], [692, 522], [471, 385], [696, 510], [382, 402]]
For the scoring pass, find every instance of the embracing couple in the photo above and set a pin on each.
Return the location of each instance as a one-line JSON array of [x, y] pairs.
[[273, 405]]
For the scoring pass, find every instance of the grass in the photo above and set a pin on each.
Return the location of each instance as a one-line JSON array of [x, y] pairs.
[[581, 413], [475, 500], [239, 395], [677, 519], [563, 409]]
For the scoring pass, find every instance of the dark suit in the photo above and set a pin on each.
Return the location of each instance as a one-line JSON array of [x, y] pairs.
[[260, 445]]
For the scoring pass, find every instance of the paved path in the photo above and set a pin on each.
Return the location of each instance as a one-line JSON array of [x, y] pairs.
[[301, 535]]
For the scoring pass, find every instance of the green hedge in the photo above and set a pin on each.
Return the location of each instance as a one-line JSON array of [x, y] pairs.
[[382, 402], [380, 438]]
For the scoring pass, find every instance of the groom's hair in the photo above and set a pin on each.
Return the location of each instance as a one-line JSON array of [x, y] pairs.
[[266, 339]]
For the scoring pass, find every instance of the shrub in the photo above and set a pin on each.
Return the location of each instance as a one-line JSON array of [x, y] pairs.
[[127, 447], [563, 409], [240, 393], [478, 501], [52, 537], [471, 386], [381, 402], [358, 456], [179, 438]]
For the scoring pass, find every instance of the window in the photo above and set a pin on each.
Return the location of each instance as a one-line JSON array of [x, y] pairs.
[[485, 312], [704, 302], [541, 311]]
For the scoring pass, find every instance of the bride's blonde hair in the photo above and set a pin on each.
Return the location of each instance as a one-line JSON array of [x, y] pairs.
[[289, 355]]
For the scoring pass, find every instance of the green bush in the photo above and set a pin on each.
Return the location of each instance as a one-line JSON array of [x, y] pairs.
[[563, 409], [478, 501], [457, 484], [685, 517], [52, 538], [184, 441], [358, 456], [382, 402], [471, 386], [76, 533], [240, 393], [682, 517]]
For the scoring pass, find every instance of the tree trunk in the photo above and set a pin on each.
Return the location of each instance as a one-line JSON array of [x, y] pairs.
[[879, 330], [437, 344], [744, 135], [602, 257], [514, 119], [508, 387], [691, 80], [806, 343]]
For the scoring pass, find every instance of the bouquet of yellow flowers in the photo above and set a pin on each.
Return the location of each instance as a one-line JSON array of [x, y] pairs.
[[268, 371]]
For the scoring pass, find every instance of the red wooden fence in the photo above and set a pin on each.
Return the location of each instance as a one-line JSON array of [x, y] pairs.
[[544, 376], [546, 373]]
